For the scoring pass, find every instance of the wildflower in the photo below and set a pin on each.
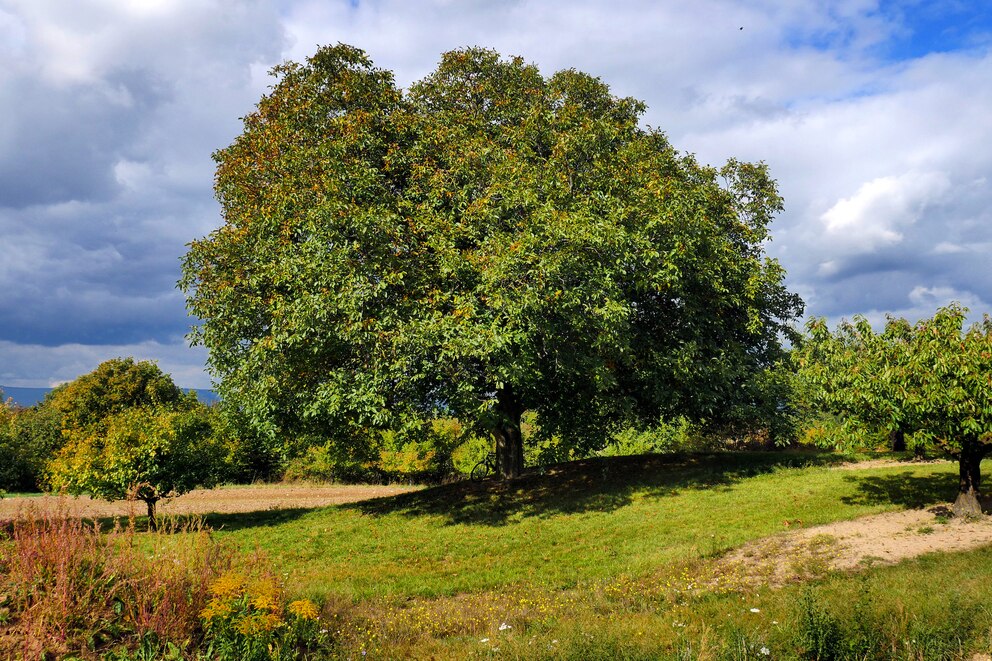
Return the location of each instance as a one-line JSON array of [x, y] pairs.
[[266, 593], [256, 624], [227, 585], [484, 640], [265, 602], [504, 626], [215, 608], [755, 610], [304, 609], [765, 651]]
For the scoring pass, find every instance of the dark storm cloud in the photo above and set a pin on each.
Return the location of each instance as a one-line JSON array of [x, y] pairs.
[[88, 273], [61, 143], [111, 112]]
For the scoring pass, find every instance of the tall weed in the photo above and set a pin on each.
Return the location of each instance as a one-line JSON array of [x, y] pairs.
[[818, 631], [67, 588]]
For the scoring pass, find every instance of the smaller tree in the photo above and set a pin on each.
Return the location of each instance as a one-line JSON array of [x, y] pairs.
[[142, 453], [933, 380], [113, 387], [35, 435], [8, 455]]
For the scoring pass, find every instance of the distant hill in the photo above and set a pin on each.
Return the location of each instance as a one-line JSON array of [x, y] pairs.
[[31, 396], [24, 396]]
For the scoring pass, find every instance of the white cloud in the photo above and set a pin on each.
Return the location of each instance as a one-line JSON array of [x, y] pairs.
[[873, 216], [948, 248], [930, 298], [13, 34], [114, 106], [35, 365]]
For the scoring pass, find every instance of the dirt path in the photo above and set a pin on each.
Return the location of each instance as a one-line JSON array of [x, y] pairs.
[[887, 463], [202, 501], [878, 539], [871, 540]]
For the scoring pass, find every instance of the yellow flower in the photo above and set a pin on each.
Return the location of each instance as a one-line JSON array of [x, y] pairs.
[[265, 602], [304, 609], [215, 608], [267, 595], [256, 624], [228, 585]]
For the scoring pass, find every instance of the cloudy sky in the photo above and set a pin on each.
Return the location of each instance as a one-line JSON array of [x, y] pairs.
[[873, 116]]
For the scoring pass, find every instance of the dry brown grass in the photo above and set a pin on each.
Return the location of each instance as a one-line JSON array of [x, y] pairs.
[[225, 500], [68, 590]]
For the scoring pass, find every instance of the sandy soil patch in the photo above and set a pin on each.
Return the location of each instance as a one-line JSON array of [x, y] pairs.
[[203, 501], [847, 545], [888, 463]]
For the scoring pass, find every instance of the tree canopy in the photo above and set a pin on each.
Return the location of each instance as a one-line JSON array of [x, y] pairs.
[[127, 431], [489, 241], [142, 454], [114, 386], [932, 380]]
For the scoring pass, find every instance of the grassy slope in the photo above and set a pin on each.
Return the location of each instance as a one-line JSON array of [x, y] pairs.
[[580, 523]]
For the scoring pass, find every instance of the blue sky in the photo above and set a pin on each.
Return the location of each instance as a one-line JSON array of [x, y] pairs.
[[873, 116]]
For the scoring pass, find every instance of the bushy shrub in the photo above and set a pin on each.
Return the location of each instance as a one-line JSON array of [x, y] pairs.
[[473, 450], [66, 588], [427, 453], [676, 435], [250, 619], [331, 462]]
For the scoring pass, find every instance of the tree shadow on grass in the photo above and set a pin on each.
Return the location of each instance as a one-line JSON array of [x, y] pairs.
[[593, 485], [259, 519], [172, 523], [907, 489], [183, 523]]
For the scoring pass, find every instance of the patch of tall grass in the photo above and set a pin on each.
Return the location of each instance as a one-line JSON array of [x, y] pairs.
[[68, 588], [71, 590], [882, 613]]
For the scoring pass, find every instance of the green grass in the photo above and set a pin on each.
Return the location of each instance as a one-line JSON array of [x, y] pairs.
[[579, 523], [608, 558], [615, 558]]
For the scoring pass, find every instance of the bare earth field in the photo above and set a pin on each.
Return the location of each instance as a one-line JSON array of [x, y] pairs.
[[225, 500], [872, 540], [880, 539]]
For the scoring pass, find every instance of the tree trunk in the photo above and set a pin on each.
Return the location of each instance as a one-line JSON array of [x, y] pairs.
[[509, 441], [152, 523], [898, 440], [970, 469]]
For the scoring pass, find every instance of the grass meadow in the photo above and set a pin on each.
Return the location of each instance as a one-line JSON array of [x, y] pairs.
[[599, 559]]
